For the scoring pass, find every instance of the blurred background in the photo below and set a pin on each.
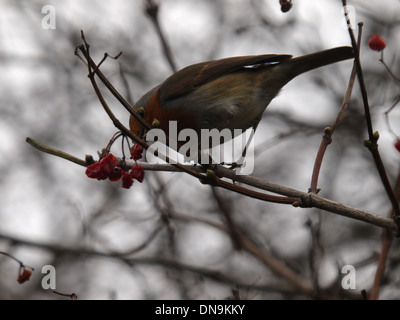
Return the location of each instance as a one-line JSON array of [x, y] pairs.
[[167, 237]]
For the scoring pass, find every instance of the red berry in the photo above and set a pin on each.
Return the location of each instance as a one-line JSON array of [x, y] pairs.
[[127, 180], [137, 173], [376, 42], [108, 163], [96, 171], [115, 174], [24, 276], [397, 145], [136, 152]]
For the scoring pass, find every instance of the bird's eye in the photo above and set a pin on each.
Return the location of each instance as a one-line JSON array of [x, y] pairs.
[[140, 112]]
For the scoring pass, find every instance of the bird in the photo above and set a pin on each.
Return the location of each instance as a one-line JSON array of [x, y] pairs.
[[229, 93]]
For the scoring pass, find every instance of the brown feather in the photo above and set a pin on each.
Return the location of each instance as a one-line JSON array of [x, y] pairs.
[[183, 82]]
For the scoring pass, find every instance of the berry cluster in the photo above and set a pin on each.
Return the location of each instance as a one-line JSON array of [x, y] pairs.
[[107, 168]]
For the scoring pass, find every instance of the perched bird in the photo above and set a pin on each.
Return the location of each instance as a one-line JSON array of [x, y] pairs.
[[228, 93]]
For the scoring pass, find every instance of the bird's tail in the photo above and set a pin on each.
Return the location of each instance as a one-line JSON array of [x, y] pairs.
[[293, 67]]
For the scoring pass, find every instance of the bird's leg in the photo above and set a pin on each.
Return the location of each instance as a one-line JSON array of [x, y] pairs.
[[241, 160], [219, 127]]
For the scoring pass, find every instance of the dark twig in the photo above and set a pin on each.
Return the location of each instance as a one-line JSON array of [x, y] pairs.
[[226, 211], [275, 265], [72, 296], [21, 264], [396, 101], [328, 132], [371, 143], [315, 252], [152, 12], [216, 275], [208, 179], [389, 70], [291, 194], [88, 61], [36, 144], [126, 85], [386, 243], [93, 69], [24, 272]]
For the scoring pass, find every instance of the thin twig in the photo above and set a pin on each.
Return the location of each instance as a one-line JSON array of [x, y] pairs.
[[372, 144], [21, 264], [328, 132], [90, 63], [91, 67], [389, 70], [386, 243], [215, 275], [386, 113], [315, 252], [40, 146], [234, 231], [208, 179], [72, 296], [312, 200], [152, 12], [254, 249], [126, 84]]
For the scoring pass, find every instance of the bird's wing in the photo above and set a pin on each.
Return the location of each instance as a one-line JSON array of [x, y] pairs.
[[187, 79]]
